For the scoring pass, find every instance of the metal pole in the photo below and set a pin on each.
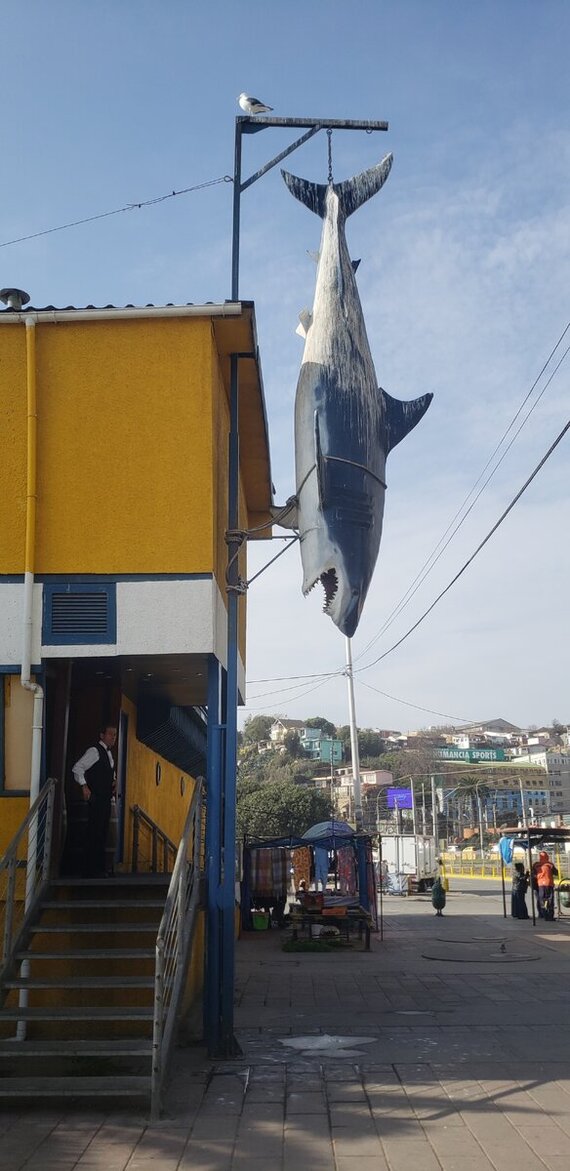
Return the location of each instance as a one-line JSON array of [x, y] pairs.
[[236, 212], [423, 809], [523, 807], [413, 805], [353, 739], [214, 771], [503, 886], [480, 816], [530, 878], [227, 1040], [434, 809]]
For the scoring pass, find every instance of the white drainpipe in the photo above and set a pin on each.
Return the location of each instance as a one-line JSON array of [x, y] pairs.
[[28, 626]]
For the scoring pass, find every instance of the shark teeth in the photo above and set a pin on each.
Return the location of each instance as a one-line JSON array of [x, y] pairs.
[[329, 582]]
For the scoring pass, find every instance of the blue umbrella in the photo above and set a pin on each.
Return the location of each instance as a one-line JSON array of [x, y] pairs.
[[328, 829]]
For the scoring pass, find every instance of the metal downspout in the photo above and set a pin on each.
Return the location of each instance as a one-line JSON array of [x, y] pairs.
[[25, 677]]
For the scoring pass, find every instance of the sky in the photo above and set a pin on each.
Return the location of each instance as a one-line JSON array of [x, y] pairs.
[[463, 283]]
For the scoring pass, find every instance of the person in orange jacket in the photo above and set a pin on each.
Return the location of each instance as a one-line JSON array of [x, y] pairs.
[[543, 874]]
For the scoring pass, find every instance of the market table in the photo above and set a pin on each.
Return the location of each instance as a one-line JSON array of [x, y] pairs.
[[351, 918]]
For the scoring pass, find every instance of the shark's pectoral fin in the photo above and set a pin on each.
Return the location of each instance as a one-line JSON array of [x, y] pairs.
[[401, 418], [320, 464], [305, 322]]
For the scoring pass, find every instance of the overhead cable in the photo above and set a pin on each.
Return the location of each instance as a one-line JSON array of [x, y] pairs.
[[434, 556], [473, 555], [118, 210]]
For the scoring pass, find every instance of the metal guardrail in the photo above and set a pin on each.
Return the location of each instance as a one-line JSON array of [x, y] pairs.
[[173, 944], [25, 871], [475, 868], [152, 849]]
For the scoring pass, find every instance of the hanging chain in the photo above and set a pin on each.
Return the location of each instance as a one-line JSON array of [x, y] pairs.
[[329, 145]]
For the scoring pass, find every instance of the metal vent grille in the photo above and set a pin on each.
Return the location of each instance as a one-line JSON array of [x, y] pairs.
[[79, 613]]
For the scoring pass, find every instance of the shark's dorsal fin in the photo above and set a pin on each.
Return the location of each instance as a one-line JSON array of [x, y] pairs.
[[355, 264], [401, 418], [351, 194]]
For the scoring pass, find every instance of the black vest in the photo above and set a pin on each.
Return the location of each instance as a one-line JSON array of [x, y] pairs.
[[101, 775]]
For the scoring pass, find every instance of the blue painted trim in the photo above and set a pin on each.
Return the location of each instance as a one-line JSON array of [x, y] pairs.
[[75, 638], [16, 669], [214, 776], [8, 578]]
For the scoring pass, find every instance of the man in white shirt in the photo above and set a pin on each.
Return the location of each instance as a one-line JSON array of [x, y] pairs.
[[95, 772]]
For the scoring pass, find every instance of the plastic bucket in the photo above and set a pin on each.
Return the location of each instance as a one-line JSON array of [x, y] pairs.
[[260, 920]]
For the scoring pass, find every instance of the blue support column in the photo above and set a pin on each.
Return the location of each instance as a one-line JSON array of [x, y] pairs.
[[227, 970], [214, 780]]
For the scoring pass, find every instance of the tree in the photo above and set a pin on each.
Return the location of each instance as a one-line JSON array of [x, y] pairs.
[[279, 809], [326, 727], [293, 744], [257, 728]]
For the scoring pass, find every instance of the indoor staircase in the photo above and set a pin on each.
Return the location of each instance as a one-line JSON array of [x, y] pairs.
[[76, 1015]]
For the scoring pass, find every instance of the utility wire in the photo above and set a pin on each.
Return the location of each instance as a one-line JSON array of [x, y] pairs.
[[118, 210], [432, 560], [291, 699], [473, 555], [418, 707]]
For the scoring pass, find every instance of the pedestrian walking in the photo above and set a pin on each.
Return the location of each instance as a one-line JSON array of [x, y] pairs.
[[438, 897], [519, 908], [544, 872]]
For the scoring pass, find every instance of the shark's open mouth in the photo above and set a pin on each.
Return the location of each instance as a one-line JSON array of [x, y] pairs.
[[329, 581]]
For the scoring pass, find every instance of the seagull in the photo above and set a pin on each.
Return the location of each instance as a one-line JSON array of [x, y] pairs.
[[253, 105]]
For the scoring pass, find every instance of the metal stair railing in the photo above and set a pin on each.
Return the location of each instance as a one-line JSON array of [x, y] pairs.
[[25, 871], [161, 851], [173, 944]]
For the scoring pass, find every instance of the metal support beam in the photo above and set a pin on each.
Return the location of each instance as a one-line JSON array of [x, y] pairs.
[[250, 125]]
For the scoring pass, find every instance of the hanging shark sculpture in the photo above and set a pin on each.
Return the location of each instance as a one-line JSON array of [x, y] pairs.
[[345, 425]]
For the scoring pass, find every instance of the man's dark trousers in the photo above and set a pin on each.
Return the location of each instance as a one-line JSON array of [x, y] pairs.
[[99, 778]]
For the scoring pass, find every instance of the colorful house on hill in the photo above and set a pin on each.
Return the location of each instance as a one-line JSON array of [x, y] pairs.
[[113, 516]]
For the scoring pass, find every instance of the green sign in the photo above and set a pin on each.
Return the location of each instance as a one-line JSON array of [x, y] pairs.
[[470, 754]]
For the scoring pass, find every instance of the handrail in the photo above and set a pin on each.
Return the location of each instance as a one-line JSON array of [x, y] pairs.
[[25, 871], [158, 837], [173, 944]]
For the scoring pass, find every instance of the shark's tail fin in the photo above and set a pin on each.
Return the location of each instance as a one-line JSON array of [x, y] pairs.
[[352, 193]]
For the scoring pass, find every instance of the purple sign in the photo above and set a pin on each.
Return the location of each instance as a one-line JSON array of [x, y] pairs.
[[399, 799]]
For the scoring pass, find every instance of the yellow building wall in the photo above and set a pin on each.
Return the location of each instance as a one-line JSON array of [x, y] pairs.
[[164, 803], [125, 481], [12, 813], [18, 708]]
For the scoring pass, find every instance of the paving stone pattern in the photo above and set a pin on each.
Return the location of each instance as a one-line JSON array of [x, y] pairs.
[[457, 1062]]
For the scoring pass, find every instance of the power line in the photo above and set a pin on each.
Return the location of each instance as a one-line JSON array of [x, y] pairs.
[[118, 210], [291, 699], [473, 555], [432, 560], [417, 706]]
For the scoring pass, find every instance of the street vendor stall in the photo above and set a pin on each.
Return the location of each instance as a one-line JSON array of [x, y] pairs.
[[528, 838], [332, 875]]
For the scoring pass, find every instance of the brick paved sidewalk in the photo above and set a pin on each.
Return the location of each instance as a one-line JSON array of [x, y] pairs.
[[437, 1051]]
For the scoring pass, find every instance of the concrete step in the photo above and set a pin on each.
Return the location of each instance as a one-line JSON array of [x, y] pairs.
[[115, 880], [121, 1047], [77, 1013], [102, 904], [75, 1087], [90, 928], [80, 982], [89, 953]]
